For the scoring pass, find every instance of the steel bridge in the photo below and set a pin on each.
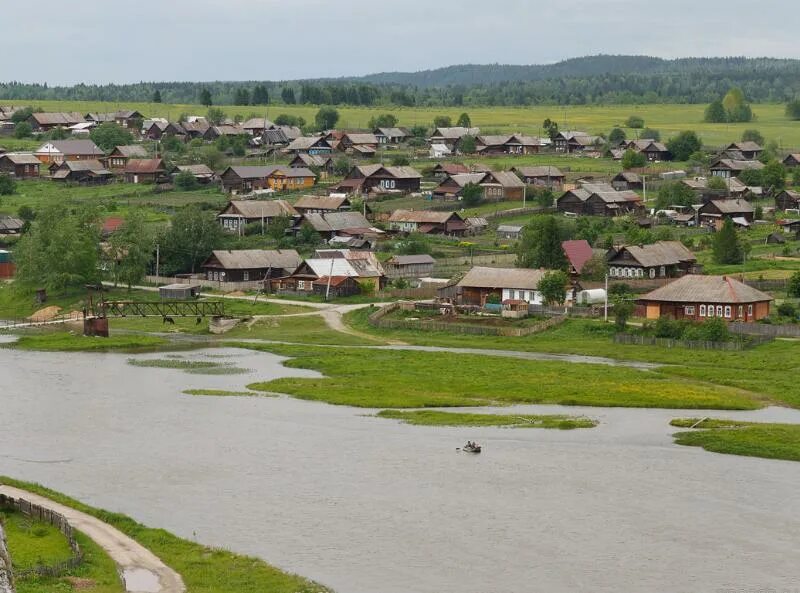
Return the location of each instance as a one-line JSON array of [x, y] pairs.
[[158, 309]]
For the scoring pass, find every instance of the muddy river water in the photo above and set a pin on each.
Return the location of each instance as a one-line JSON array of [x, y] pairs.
[[367, 505]]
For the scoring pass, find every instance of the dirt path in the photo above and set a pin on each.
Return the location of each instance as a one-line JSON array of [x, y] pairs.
[[143, 571]]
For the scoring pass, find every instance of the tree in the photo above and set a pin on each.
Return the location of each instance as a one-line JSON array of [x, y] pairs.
[[186, 181], [260, 95], [650, 134], [793, 288], [753, 136], [553, 287], [157, 96], [278, 226], [551, 128], [205, 98], [595, 268], [793, 109], [736, 106], [716, 183], [384, 120], [60, 250], [326, 118], [796, 176], [192, 235], [442, 121], [287, 95], [773, 176], [540, 246], [616, 137], [726, 245], [7, 185], [108, 135], [683, 145], [674, 193], [342, 166], [400, 160], [290, 120], [715, 113], [623, 309], [472, 194], [241, 96], [215, 116], [467, 144], [23, 130], [633, 160], [21, 115], [131, 249], [634, 121], [752, 177], [464, 121]]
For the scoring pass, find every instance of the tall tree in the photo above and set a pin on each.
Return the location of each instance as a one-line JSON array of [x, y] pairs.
[[753, 136], [287, 95], [793, 109], [108, 135], [633, 160], [553, 287], [773, 176], [616, 137], [260, 95], [326, 118], [384, 120], [192, 235], [131, 249], [157, 96], [442, 121], [472, 194], [726, 245], [540, 246], [684, 145], [205, 97], [464, 121], [715, 113]]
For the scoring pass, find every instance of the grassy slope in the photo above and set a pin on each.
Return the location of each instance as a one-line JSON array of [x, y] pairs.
[[669, 119], [204, 569], [751, 439], [33, 543], [768, 369], [408, 379], [303, 330], [437, 418]]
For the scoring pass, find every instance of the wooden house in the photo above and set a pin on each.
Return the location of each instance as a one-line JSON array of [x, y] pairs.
[[160, 129], [320, 204], [130, 119], [599, 199], [362, 266], [577, 252], [10, 225], [119, 157], [250, 265], [145, 171], [239, 213], [653, 150], [44, 122], [350, 142], [335, 286], [481, 284], [444, 170], [321, 163], [255, 126], [451, 137], [427, 222], [748, 149], [363, 179], [625, 180], [727, 168], [786, 200], [228, 130], [575, 141], [333, 224], [87, 172], [698, 298], [247, 178], [496, 185], [714, 212], [409, 266], [21, 165], [543, 176], [309, 145], [202, 173], [390, 135], [514, 144], [791, 161], [664, 259], [58, 151], [512, 232]]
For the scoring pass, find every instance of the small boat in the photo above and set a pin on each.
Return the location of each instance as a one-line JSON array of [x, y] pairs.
[[471, 448]]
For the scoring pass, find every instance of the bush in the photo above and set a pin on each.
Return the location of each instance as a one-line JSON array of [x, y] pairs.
[[787, 310], [185, 181], [23, 130], [634, 121], [667, 327], [710, 330], [7, 185]]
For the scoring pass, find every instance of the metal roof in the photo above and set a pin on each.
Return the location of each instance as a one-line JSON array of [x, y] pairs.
[[519, 278], [250, 259], [706, 289]]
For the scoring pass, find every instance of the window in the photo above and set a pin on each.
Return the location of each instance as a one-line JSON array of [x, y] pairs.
[[301, 285], [689, 310], [719, 310], [652, 272], [702, 310], [662, 271], [246, 276], [711, 310], [639, 272], [741, 311], [727, 311], [749, 310]]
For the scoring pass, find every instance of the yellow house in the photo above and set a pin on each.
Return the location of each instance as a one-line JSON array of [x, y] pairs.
[[289, 179]]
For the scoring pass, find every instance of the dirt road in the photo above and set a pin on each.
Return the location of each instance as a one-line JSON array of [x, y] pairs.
[[143, 571]]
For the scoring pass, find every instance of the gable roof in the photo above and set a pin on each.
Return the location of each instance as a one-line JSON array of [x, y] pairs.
[[68, 147], [396, 172], [199, 170], [463, 179], [410, 260], [130, 150], [257, 208], [58, 119], [145, 166], [706, 289], [661, 253], [503, 178], [306, 142], [337, 221], [454, 133], [422, 216], [541, 171], [361, 138], [736, 165], [21, 158], [321, 202], [578, 252], [257, 123], [67, 167], [392, 132], [451, 168], [746, 146], [519, 278], [733, 206], [312, 160], [249, 259]]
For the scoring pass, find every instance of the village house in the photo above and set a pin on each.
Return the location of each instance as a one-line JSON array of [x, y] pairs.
[[322, 163], [333, 224], [247, 178], [119, 157], [44, 122], [543, 176], [664, 259], [321, 204], [390, 135], [515, 144], [409, 266], [496, 185], [444, 170], [195, 129], [11, 225], [450, 137], [358, 142], [698, 298], [577, 252], [363, 179], [727, 168], [255, 126], [22, 165], [787, 199], [575, 141], [239, 213], [749, 150], [163, 129], [439, 151], [145, 171], [270, 139], [599, 199], [250, 265], [313, 275], [714, 212], [790, 226], [651, 149], [228, 130], [427, 222], [625, 180], [512, 232], [58, 151], [309, 145], [481, 285], [202, 173], [129, 119], [791, 161], [87, 172], [476, 225]]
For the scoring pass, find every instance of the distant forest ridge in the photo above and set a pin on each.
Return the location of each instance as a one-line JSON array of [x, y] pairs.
[[602, 79]]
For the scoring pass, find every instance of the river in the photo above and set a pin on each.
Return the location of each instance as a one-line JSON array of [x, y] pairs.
[[368, 505]]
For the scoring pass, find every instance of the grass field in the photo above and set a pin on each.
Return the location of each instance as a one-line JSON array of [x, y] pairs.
[[669, 119], [410, 379], [751, 439], [437, 418], [62, 341], [302, 330], [204, 569]]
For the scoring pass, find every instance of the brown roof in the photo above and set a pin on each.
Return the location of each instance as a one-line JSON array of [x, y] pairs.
[[542, 171], [70, 147], [519, 278], [733, 206], [706, 289], [131, 150], [396, 172], [337, 221], [410, 260], [736, 165], [259, 208], [197, 170], [252, 259], [306, 142], [320, 202], [362, 138], [58, 119], [662, 253], [145, 166], [504, 178], [421, 216], [21, 158]]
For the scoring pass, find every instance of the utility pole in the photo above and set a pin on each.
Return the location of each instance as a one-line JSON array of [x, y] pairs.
[[328, 288], [158, 259], [605, 303]]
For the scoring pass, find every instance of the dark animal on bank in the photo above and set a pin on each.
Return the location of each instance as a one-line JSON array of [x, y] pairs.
[[169, 320]]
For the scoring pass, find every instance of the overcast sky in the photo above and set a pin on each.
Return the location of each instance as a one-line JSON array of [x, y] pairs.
[[195, 40]]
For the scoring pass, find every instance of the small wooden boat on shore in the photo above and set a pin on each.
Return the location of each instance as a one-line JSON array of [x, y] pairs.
[[471, 448]]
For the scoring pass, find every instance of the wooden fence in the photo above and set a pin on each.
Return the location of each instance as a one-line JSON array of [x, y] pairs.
[[58, 521], [763, 329], [634, 339], [378, 320]]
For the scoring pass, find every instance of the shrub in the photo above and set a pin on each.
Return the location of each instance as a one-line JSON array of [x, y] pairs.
[[634, 121], [787, 310], [185, 180], [7, 185]]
